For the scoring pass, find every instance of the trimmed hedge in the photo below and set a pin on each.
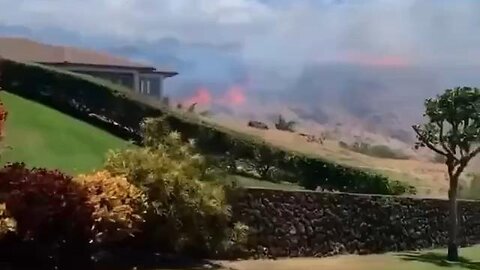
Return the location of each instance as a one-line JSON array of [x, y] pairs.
[[92, 100]]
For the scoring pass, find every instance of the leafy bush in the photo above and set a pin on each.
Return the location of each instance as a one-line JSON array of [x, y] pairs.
[[118, 206], [188, 211], [335, 177], [384, 151], [45, 204], [264, 161], [343, 144], [285, 125], [381, 151], [52, 215], [7, 223]]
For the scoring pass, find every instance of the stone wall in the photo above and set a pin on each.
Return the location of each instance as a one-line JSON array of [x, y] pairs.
[[291, 224]]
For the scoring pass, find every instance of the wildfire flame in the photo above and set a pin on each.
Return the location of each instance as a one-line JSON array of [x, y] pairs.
[[234, 96], [202, 97]]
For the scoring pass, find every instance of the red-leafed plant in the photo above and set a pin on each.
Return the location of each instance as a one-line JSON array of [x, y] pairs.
[[47, 205], [52, 214]]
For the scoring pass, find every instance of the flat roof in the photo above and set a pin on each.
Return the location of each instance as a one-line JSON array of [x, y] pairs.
[[26, 50]]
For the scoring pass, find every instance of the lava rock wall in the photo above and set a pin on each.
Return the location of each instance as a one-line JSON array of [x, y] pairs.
[[294, 224]]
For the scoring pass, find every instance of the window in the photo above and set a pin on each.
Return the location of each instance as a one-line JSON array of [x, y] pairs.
[[142, 86], [148, 87], [145, 87]]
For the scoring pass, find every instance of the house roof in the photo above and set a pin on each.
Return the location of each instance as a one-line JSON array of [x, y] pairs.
[[26, 50]]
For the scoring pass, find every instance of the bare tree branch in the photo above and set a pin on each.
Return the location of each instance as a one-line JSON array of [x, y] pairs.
[[427, 143]]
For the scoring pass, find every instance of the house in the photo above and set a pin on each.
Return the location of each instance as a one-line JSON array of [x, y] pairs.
[[140, 77]]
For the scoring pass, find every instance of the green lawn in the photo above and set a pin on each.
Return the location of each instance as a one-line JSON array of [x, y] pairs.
[[425, 260], [43, 137]]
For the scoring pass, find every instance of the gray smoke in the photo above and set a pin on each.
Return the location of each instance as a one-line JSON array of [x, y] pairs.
[[371, 60]]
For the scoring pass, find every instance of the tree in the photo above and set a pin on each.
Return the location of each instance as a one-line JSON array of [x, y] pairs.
[[265, 159], [452, 131], [282, 124]]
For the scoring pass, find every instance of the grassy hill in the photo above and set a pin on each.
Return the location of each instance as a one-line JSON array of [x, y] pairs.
[[40, 136]]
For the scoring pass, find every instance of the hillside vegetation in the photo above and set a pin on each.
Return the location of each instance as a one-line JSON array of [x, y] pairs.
[[43, 137], [121, 111], [427, 177]]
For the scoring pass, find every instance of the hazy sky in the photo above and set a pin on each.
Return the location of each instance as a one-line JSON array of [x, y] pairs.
[[275, 32]]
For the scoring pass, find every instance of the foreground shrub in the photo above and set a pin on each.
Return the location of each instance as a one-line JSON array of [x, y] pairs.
[[118, 206], [52, 215], [46, 205], [7, 223], [188, 211]]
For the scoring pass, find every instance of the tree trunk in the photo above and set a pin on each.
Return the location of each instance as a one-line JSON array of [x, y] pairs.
[[453, 228]]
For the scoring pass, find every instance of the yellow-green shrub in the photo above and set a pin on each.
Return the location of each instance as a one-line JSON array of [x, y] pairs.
[[7, 223], [187, 213], [118, 206]]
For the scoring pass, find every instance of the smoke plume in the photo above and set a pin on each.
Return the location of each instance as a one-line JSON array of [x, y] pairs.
[[365, 63]]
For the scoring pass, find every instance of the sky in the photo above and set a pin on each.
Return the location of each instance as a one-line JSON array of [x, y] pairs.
[[271, 32], [275, 49]]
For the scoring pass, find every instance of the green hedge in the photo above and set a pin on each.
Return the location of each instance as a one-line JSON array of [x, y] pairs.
[[76, 94], [83, 95]]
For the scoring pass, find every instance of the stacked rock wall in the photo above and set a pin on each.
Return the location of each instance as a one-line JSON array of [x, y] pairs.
[[291, 224]]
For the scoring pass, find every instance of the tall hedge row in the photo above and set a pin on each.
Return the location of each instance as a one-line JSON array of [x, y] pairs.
[[79, 95], [92, 99]]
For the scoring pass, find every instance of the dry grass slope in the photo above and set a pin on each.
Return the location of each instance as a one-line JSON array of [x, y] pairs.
[[428, 177]]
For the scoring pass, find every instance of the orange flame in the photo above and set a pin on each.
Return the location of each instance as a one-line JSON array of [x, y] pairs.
[[234, 96]]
